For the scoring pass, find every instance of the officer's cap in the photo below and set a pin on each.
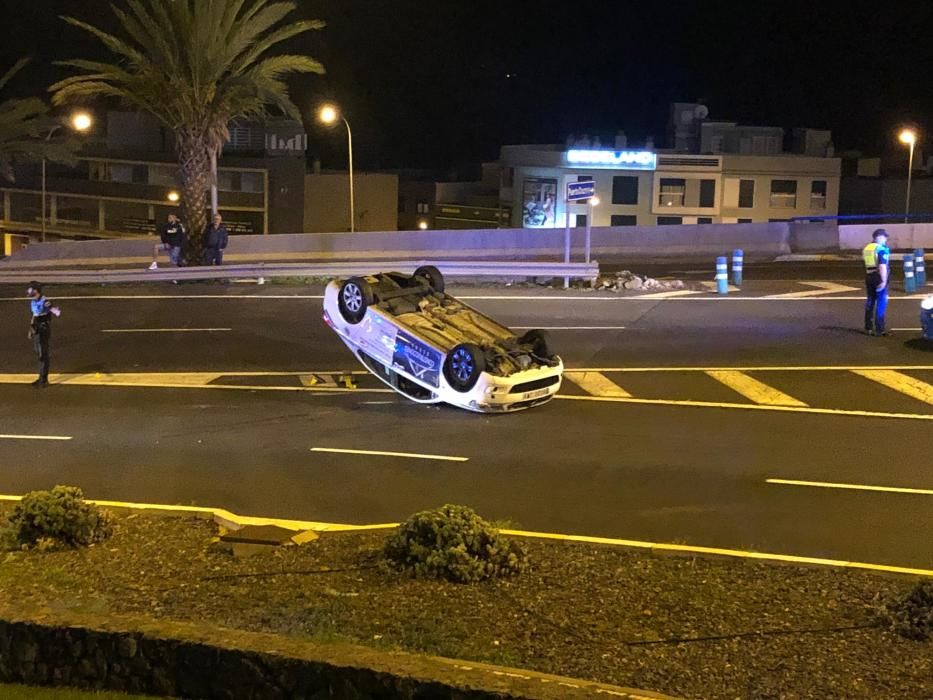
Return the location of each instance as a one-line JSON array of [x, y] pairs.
[[35, 285], [878, 233]]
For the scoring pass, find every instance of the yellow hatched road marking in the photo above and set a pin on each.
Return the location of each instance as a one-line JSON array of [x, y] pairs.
[[754, 390], [850, 487], [903, 383], [597, 384]]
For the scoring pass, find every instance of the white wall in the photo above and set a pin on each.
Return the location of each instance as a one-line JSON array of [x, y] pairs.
[[901, 236]]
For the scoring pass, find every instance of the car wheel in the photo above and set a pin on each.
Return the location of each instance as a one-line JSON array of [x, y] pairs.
[[540, 342], [354, 298], [463, 366], [433, 276]]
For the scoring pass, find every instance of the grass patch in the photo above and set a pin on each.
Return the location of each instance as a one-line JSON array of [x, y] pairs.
[[685, 626]]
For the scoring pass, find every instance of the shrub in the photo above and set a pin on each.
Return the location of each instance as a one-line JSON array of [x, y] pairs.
[[911, 615], [61, 515], [453, 543]]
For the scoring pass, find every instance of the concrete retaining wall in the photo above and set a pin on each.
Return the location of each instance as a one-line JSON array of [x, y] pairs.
[[171, 659], [502, 244], [902, 236]]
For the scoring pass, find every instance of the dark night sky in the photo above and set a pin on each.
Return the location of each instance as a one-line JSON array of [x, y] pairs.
[[425, 83]]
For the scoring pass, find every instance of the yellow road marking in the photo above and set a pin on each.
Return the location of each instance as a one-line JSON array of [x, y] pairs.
[[376, 453], [766, 368], [750, 407], [851, 487], [596, 384], [752, 389], [35, 437], [821, 289], [233, 520], [905, 384]]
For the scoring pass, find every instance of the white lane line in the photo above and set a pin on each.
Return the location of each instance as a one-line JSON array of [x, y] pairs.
[[647, 297], [754, 390], [150, 297], [906, 329], [375, 453], [821, 289], [597, 384], [902, 383], [850, 487], [569, 328], [670, 295], [166, 330], [35, 437]]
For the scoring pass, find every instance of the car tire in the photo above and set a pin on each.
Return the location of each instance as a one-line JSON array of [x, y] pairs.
[[354, 297], [463, 366], [540, 342], [433, 276]]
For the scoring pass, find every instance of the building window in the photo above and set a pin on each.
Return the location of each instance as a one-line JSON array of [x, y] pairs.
[[424, 208], [624, 189], [670, 220], [707, 194], [783, 194], [672, 192], [581, 221], [745, 221], [746, 194], [584, 178], [818, 194], [704, 219], [623, 220]]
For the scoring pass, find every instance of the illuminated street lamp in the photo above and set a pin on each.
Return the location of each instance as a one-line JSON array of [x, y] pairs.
[[909, 138], [173, 197], [329, 115], [423, 225], [79, 121]]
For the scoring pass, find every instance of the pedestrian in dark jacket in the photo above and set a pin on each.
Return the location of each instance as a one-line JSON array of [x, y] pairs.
[[172, 240], [215, 241], [40, 330]]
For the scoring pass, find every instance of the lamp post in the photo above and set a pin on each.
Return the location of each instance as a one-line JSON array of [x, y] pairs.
[[592, 202], [908, 137], [329, 114], [80, 121]]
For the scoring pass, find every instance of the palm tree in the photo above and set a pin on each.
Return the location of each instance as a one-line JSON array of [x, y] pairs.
[[24, 124], [196, 65]]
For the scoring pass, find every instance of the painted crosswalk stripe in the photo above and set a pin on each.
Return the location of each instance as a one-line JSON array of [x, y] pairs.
[[822, 288], [711, 286], [851, 487], [903, 383], [597, 384], [670, 295], [754, 390]]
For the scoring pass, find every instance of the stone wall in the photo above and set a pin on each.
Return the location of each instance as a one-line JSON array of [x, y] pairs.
[[176, 660]]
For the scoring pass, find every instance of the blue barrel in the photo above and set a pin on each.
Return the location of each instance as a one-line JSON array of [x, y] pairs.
[[722, 275], [738, 258], [920, 268], [910, 281]]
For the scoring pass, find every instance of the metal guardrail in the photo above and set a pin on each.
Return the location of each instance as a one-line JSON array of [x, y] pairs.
[[587, 271]]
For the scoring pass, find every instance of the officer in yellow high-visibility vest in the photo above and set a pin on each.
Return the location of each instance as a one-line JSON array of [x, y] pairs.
[[876, 256]]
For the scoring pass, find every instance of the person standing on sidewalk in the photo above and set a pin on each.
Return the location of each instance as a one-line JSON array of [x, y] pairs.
[[876, 256], [172, 236], [40, 330], [215, 241]]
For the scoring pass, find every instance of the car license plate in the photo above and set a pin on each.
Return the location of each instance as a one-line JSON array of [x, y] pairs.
[[531, 395]]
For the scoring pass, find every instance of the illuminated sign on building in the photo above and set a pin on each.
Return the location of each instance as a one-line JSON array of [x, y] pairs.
[[624, 160]]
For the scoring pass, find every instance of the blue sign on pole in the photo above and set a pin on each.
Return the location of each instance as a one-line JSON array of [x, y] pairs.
[[579, 191]]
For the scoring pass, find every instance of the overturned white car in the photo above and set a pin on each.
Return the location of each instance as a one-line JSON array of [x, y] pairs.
[[432, 348]]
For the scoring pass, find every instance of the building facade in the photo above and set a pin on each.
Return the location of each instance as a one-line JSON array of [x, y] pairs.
[[716, 172]]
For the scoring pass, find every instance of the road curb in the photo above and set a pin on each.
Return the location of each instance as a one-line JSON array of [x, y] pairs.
[[234, 521]]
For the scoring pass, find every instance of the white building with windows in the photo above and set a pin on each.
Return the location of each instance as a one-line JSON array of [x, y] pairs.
[[743, 176]]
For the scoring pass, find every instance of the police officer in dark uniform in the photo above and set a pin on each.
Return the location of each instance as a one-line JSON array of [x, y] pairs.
[[876, 256], [40, 330]]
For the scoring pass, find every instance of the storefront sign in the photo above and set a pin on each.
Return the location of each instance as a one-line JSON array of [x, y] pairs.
[[622, 160]]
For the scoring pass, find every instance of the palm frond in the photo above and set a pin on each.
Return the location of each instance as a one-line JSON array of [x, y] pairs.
[[17, 67]]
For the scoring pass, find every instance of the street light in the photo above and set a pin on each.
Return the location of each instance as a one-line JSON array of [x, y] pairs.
[[592, 202], [909, 138], [329, 115], [79, 121], [173, 197]]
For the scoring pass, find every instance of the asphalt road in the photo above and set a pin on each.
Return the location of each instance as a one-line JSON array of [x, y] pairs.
[[229, 417]]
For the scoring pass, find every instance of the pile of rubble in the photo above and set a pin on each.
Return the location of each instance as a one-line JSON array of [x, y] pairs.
[[629, 281]]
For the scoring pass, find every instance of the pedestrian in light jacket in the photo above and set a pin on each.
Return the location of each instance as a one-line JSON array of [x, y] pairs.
[[215, 241]]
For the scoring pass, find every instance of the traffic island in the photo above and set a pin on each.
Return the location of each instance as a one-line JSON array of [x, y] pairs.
[[685, 626]]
